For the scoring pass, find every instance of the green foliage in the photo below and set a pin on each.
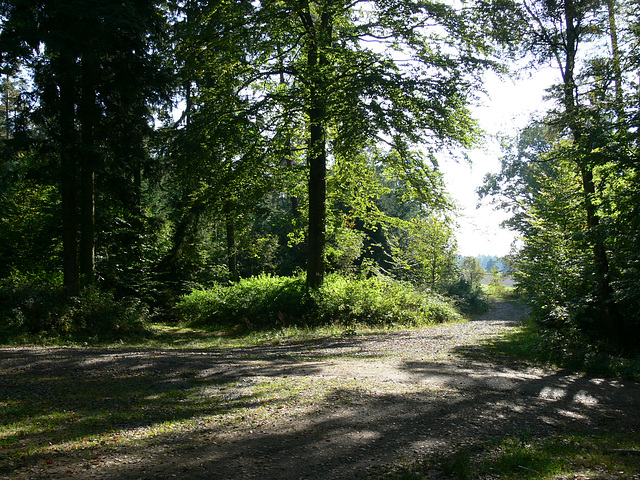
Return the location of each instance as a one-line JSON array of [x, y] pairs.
[[469, 300], [555, 268], [33, 305], [472, 271], [30, 304], [567, 347], [270, 301], [496, 287], [225, 191], [522, 457], [264, 301], [98, 314], [29, 223], [424, 252], [378, 301], [344, 248]]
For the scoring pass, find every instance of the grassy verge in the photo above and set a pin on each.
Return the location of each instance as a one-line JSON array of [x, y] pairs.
[[530, 342], [559, 457], [170, 336]]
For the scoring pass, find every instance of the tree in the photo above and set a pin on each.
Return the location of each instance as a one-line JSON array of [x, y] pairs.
[[472, 271], [496, 280], [358, 73], [424, 249], [560, 30], [221, 168], [91, 64]]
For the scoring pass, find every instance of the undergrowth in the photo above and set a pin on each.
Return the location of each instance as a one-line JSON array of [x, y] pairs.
[[33, 310], [521, 457], [568, 349], [267, 302], [264, 309]]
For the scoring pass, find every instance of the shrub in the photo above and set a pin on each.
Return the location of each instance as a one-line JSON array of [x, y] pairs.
[[255, 302], [270, 301], [468, 299], [34, 305], [99, 314], [30, 303], [378, 301]]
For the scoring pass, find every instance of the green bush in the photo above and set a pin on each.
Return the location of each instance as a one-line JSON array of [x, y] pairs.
[[270, 301], [378, 301], [468, 299], [30, 303], [35, 305], [99, 314], [568, 348], [256, 302]]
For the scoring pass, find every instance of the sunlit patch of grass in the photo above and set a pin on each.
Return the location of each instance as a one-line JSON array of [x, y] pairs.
[[500, 293], [181, 337], [524, 458], [530, 342], [87, 414]]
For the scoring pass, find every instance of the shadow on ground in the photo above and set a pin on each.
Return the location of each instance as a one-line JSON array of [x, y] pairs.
[[276, 412]]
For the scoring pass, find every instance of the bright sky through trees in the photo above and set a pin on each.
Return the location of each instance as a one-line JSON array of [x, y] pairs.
[[507, 108]]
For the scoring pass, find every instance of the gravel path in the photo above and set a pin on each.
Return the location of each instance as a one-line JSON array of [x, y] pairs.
[[359, 403]]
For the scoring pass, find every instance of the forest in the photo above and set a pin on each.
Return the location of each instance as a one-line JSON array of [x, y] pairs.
[[276, 162]]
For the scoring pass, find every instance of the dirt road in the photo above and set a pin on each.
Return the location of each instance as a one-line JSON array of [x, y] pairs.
[[331, 409]]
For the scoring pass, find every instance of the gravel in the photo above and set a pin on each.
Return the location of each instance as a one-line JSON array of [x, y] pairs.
[[361, 404]]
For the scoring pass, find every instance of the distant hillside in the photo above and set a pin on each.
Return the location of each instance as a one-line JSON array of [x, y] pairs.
[[489, 261]]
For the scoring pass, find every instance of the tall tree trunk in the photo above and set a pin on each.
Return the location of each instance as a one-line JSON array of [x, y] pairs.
[[87, 168], [232, 258], [319, 35], [317, 159], [610, 311], [68, 171], [317, 198]]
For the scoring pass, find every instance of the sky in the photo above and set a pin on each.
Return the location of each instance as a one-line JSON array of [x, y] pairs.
[[508, 108]]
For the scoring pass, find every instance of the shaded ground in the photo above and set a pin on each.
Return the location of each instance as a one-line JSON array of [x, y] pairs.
[[333, 409]]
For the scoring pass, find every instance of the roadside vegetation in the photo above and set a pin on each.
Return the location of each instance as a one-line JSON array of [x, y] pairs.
[[264, 306], [567, 349], [602, 456]]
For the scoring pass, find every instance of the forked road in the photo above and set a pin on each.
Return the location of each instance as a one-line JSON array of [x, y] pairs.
[[331, 409]]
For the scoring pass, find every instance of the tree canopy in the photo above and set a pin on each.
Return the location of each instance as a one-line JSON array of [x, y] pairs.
[[149, 147], [567, 174]]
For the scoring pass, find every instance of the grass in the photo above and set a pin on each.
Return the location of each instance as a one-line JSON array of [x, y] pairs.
[[47, 421], [500, 293], [602, 456], [172, 336], [532, 343], [168, 336], [540, 459]]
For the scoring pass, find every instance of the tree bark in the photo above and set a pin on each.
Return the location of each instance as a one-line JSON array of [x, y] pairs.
[[317, 198], [232, 258], [318, 37], [68, 172], [317, 159], [87, 169]]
